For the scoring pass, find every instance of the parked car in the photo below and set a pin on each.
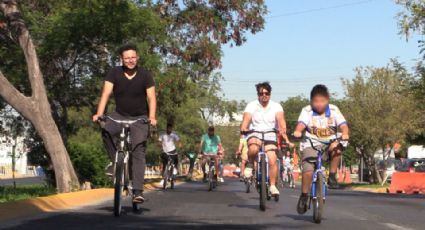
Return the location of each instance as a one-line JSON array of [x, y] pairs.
[[412, 165]]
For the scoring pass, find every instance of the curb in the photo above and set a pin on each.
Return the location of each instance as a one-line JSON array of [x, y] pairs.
[[43, 205], [371, 190]]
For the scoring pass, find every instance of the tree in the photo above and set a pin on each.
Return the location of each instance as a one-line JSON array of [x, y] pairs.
[[36, 108], [292, 107], [380, 110]]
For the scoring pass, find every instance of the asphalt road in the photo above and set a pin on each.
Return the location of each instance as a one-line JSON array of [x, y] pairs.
[[190, 206], [23, 181]]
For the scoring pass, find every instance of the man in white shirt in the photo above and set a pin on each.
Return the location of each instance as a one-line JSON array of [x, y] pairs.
[[264, 115], [168, 141]]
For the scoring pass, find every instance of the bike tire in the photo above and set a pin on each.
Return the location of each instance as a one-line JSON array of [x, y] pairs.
[[263, 189], [318, 202], [119, 184], [165, 178], [247, 186], [210, 180], [172, 178]]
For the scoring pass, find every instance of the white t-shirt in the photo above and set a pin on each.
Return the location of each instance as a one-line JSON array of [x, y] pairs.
[[168, 141], [263, 119], [322, 127]]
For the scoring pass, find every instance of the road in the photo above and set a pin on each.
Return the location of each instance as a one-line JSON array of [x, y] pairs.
[[190, 206], [23, 181]]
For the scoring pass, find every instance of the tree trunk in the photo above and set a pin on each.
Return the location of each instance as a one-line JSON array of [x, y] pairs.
[[36, 108]]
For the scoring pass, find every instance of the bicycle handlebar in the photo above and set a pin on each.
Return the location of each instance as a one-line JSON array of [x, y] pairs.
[[260, 132], [126, 122]]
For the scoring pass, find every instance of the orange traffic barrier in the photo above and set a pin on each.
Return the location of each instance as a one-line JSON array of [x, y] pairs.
[[406, 182], [344, 176], [229, 171]]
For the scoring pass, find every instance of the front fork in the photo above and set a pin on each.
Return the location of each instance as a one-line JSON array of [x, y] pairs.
[[313, 193]]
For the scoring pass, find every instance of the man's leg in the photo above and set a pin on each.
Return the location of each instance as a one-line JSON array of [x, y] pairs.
[[109, 132], [139, 134], [203, 163], [272, 159]]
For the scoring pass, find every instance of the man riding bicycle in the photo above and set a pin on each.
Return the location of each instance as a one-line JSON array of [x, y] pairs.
[[321, 120], [133, 88], [210, 146], [168, 140], [264, 115]]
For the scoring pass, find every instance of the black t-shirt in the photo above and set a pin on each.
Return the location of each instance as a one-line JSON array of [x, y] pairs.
[[130, 95]]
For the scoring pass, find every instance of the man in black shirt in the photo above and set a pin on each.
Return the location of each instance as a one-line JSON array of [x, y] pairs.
[[134, 91]]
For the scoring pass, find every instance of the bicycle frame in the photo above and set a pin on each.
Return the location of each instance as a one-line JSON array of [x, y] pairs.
[[318, 172]]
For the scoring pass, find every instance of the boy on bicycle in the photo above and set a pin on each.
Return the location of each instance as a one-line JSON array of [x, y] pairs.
[[320, 120], [210, 147]]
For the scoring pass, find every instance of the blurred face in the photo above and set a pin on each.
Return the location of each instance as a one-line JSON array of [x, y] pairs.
[[319, 103], [169, 130], [210, 133], [129, 59], [263, 96]]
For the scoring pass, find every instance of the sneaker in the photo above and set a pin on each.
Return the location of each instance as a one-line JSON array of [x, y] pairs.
[[175, 171], [302, 204], [221, 180], [138, 197], [109, 169], [274, 191], [332, 182], [161, 182]]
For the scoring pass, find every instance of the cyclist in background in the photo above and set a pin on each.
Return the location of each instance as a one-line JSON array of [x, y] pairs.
[[320, 120], [242, 153], [209, 146], [168, 141], [264, 114]]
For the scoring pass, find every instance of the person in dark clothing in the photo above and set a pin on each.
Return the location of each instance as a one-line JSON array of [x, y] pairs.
[[133, 88]]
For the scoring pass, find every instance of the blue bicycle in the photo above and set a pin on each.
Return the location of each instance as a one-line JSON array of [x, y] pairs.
[[318, 186], [262, 171]]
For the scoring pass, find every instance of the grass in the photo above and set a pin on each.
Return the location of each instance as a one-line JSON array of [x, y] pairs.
[[23, 192]]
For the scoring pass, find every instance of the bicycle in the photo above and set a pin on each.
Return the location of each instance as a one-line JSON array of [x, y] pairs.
[[262, 171], [319, 186], [121, 176], [168, 175], [211, 171]]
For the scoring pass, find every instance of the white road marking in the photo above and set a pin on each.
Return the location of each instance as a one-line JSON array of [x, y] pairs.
[[395, 227]]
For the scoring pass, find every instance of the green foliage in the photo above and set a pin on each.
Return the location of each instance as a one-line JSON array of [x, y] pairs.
[[380, 109], [22, 192], [292, 107], [230, 139]]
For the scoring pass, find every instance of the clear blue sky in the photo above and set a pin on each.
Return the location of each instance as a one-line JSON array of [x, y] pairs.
[[306, 42]]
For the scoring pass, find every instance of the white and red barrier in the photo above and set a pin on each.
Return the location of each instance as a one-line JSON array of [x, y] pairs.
[[406, 182]]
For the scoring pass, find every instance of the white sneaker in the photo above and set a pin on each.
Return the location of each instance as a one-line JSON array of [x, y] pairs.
[[175, 171], [161, 182], [220, 179], [274, 191], [248, 172]]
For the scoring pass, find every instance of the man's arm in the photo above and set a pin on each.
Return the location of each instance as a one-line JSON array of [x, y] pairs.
[[152, 104], [246, 120], [299, 130], [281, 123], [106, 93]]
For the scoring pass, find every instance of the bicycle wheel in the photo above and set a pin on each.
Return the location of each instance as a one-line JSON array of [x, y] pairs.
[[210, 179], [318, 202], [165, 177], [172, 177], [263, 189], [119, 184], [248, 185]]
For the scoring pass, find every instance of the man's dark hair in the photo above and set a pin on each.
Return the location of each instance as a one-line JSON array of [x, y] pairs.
[[126, 47], [211, 129], [169, 125], [319, 90], [263, 85]]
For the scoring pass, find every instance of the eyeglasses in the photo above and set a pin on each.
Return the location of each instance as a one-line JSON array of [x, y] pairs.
[[130, 59], [264, 94]]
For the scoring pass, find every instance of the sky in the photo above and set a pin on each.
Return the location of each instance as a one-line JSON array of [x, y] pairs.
[[306, 42]]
